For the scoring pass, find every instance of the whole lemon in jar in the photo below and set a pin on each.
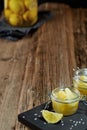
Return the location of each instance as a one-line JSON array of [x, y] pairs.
[[16, 6], [7, 13], [30, 16], [29, 4], [15, 20]]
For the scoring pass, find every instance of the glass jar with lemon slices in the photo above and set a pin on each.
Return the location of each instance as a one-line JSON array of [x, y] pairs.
[[21, 12], [80, 81], [65, 100]]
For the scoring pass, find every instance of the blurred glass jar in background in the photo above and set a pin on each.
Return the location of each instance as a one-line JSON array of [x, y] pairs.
[[21, 13], [80, 81]]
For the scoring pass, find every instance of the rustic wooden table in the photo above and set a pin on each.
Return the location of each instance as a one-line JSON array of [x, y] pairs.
[[34, 65]]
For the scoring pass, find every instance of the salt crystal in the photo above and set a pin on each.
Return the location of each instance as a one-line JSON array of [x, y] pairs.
[[23, 116], [76, 124], [70, 120], [73, 121], [39, 115], [45, 123], [62, 124], [81, 119], [61, 121], [35, 114], [35, 119], [72, 126], [79, 122], [83, 123]]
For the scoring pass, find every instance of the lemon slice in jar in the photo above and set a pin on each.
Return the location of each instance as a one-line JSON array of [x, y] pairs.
[[51, 117], [83, 78], [61, 95], [69, 93]]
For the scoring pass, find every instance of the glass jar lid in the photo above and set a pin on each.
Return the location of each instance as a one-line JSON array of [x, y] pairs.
[[81, 74]]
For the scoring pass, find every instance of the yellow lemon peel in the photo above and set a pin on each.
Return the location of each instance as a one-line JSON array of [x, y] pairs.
[[51, 117]]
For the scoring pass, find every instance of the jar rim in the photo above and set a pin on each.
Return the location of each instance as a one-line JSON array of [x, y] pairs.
[[81, 72], [66, 101]]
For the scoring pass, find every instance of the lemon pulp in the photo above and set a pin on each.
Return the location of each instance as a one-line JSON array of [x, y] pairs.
[[51, 117], [65, 94], [61, 95]]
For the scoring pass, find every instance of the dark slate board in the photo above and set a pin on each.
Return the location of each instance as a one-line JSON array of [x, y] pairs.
[[35, 121]]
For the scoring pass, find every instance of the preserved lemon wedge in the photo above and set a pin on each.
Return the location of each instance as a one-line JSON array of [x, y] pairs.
[[51, 117], [84, 78], [61, 95], [69, 93]]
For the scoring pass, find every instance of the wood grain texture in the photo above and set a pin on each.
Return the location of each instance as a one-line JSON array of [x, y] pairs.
[[31, 67], [80, 36]]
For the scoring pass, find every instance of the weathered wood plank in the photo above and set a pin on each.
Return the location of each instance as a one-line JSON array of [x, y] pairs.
[[80, 36], [50, 62], [16, 63]]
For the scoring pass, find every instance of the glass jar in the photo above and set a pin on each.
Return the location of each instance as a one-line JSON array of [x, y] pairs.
[[65, 100], [21, 12], [80, 81]]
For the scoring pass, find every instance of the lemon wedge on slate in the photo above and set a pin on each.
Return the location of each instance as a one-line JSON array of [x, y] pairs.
[[51, 117]]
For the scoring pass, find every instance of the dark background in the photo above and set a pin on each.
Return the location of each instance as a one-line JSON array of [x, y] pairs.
[[72, 3], [1, 5]]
